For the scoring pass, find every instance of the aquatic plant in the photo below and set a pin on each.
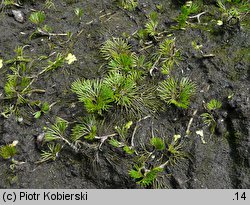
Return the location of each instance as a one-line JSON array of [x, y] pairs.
[[44, 108], [177, 92], [122, 137], [21, 77], [152, 24], [169, 54], [209, 120], [214, 104], [56, 131], [99, 96], [143, 176], [17, 87], [124, 89], [189, 8], [175, 152], [52, 65], [158, 143], [233, 10], [49, 4], [129, 4], [86, 129], [78, 12], [42, 29], [114, 47], [18, 83], [146, 173], [50, 154], [95, 95], [8, 151], [209, 117], [37, 17], [123, 62], [6, 3]]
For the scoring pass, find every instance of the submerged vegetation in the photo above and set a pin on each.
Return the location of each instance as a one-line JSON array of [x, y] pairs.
[[132, 104]]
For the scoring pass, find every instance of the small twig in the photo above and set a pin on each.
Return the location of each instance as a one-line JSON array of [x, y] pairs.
[[35, 77], [37, 91], [190, 122], [31, 82], [104, 138], [104, 15], [198, 16], [52, 104], [164, 164], [135, 129], [76, 149], [146, 47], [17, 162], [154, 65], [90, 22], [50, 34], [163, 32], [133, 136], [208, 55]]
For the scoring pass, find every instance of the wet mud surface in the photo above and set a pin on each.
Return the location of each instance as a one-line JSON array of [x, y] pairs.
[[222, 161]]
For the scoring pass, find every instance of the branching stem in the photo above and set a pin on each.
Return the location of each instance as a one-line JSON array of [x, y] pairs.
[[104, 138], [135, 129], [198, 16]]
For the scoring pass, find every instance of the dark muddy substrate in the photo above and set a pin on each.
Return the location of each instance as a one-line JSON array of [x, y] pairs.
[[222, 162]]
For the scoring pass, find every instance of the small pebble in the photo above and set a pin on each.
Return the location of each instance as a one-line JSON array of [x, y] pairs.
[[20, 119], [18, 16], [40, 137], [39, 140]]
